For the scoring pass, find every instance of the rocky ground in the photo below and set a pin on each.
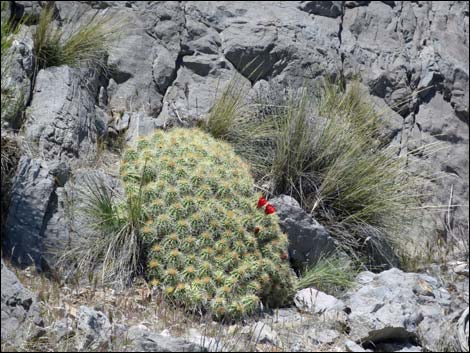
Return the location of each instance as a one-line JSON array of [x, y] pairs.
[[389, 311], [167, 66]]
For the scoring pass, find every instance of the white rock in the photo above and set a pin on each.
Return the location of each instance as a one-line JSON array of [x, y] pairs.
[[312, 300], [263, 333], [165, 333]]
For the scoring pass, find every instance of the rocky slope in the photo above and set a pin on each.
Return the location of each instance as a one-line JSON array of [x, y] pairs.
[[172, 57], [166, 68]]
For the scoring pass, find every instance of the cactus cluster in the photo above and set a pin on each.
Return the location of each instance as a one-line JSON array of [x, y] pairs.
[[210, 247]]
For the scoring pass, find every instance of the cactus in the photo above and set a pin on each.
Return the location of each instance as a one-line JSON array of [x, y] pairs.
[[210, 247]]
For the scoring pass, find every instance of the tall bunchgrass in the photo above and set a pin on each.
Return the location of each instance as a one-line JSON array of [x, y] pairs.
[[251, 135], [7, 29], [109, 243], [329, 152], [84, 46]]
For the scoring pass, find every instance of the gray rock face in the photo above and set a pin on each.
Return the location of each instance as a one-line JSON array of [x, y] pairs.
[[32, 199], [308, 240], [61, 124], [38, 229], [20, 313], [147, 341], [397, 306]]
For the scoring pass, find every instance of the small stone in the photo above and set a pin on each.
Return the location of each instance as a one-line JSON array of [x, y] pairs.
[[325, 336], [352, 346], [165, 333], [263, 333], [93, 328], [63, 329], [312, 300]]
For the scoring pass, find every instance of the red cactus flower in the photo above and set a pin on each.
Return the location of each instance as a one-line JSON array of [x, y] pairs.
[[284, 255], [269, 209], [261, 202], [256, 230]]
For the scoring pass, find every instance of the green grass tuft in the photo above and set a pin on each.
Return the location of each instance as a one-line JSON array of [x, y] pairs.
[[329, 153], [85, 46], [330, 275], [112, 244]]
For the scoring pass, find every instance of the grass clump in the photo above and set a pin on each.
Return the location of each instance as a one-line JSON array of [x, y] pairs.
[[11, 102], [329, 153], [7, 30], [84, 46], [10, 155], [111, 242], [231, 119], [330, 275]]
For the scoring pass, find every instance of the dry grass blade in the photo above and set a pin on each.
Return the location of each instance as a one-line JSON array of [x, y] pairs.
[[112, 242], [330, 275], [84, 46], [331, 154]]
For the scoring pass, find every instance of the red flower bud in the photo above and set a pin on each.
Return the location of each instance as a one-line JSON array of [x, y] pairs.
[[284, 255], [256, 230], [269, 209], [261, 202]]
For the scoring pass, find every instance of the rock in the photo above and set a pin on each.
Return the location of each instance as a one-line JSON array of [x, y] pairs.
[[147, 341], [40, 225], [164, 69], [308, 240], [31, 9], [460, 268], [140, 125], [61, 124], [312, 300], [263, 333], [325, 336], [394, 306], [62, 329], [324, 8], [20, 311], [192, 95], [32, 201], [209, 343], [93, 329], [352, 346], [394, 347], [165, 333], [144, 59], [394, 42]]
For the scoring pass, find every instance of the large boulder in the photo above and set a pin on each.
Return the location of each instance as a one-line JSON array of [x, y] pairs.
[[308, 240], [394, 306], [43, 218], [20, 312]]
